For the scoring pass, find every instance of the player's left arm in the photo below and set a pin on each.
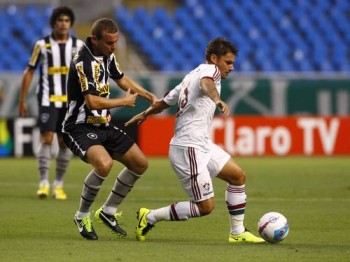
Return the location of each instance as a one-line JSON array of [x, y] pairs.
[[156, 108], [126, 83], [207, 85]]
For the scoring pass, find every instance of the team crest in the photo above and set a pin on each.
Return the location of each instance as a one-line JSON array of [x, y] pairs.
[[44, 117], [92, 135], [206, 186]]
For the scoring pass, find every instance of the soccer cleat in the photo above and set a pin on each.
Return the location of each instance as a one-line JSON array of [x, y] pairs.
[[245, 237], [43, 191], [143, 226], [85, 228], [59, 194], [111, 221]]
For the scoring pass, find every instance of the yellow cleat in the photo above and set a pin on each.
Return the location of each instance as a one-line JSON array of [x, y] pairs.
[[245, 237], [43, 191], [143, 226], [59, 193]]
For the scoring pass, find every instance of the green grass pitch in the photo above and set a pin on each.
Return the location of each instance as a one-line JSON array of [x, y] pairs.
[[312, 192]]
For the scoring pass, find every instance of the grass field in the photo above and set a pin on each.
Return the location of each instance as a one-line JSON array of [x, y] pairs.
[[313, 193]]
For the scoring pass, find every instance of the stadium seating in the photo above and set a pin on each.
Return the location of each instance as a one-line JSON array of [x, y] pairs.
[[20, 27], [272, 35]]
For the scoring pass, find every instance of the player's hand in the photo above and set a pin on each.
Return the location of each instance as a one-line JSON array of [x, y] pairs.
[[136, 119], [223, 107], [129, 98]]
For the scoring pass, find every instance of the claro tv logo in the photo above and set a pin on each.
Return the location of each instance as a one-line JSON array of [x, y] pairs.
[[278, 136], [258, 135]]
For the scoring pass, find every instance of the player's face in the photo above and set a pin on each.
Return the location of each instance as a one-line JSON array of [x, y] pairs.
[[62, 25], [106, 45], [225, 64]]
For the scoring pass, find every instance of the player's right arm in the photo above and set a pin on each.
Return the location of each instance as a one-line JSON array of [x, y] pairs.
[[26, 81], [99, 103], [207, 85]]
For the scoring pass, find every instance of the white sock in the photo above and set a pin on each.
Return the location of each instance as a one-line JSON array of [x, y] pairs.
[[236, 203]]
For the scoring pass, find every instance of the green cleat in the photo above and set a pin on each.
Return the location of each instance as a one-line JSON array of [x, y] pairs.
[[143, 226], [245, 237], [110, 221], [85, 228]]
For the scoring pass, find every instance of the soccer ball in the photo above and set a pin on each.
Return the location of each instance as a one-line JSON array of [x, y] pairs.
[[273, 227]]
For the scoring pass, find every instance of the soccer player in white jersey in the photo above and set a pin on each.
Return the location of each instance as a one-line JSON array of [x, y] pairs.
[[193, 156], [53, 53]]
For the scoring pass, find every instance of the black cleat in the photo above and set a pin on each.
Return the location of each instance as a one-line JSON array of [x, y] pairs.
[[85, 228], [111, 221]]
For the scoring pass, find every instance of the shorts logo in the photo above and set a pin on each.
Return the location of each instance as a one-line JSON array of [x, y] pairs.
[[92, 135], [206, 186], [44, 117]]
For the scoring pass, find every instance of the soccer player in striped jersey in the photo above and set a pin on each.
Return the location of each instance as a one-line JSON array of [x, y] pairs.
[[52, 54], [193, 156], [89, 132]]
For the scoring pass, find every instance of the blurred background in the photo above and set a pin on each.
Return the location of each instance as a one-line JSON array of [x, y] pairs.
[[171, 35], [294, 55]]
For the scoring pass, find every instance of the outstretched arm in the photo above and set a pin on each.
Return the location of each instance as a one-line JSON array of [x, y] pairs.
[[156, 108], [128, 83]]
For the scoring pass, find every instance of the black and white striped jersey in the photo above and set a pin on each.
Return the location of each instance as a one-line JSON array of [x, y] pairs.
[[88, 74], [54, 59]]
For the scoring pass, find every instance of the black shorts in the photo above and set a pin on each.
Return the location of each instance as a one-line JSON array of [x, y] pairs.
[[50, 119], [82, 136]]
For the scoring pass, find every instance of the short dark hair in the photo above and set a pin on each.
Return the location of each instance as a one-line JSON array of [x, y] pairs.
[[62, 10], [220, 46], [103, 25]]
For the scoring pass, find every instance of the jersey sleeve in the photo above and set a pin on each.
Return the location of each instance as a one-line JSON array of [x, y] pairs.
[[172, 97], [210, 71], [35, 55], [115, 71]]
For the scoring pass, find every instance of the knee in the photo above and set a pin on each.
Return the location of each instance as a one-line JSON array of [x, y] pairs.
[[206, 207], [241, 178], [104, 166], [141, 166], [238, 178]]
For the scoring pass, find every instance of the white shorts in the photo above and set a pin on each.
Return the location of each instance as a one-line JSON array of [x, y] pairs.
[[195, 169]]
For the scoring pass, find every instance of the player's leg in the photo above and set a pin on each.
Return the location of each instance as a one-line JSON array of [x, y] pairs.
[[101, 162], [84, 142], [225, 168], [47, 128], [189, 165], [128, 153], [62, 159]]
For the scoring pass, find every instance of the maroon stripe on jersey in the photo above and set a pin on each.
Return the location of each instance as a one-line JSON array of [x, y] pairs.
[[194, 173], [217, 73]]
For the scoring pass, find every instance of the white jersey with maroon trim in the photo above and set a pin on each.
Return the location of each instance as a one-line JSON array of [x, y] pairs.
[[195, 110]]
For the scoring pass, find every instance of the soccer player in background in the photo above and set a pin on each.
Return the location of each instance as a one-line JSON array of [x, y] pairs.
[[88, 132], [193, 156], [53, 54]]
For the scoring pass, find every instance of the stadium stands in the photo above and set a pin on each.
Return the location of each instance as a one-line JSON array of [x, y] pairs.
[[20, 27], [272, 35]]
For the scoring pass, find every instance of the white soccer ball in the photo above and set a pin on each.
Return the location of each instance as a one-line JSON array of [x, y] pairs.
[[273, 227]]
